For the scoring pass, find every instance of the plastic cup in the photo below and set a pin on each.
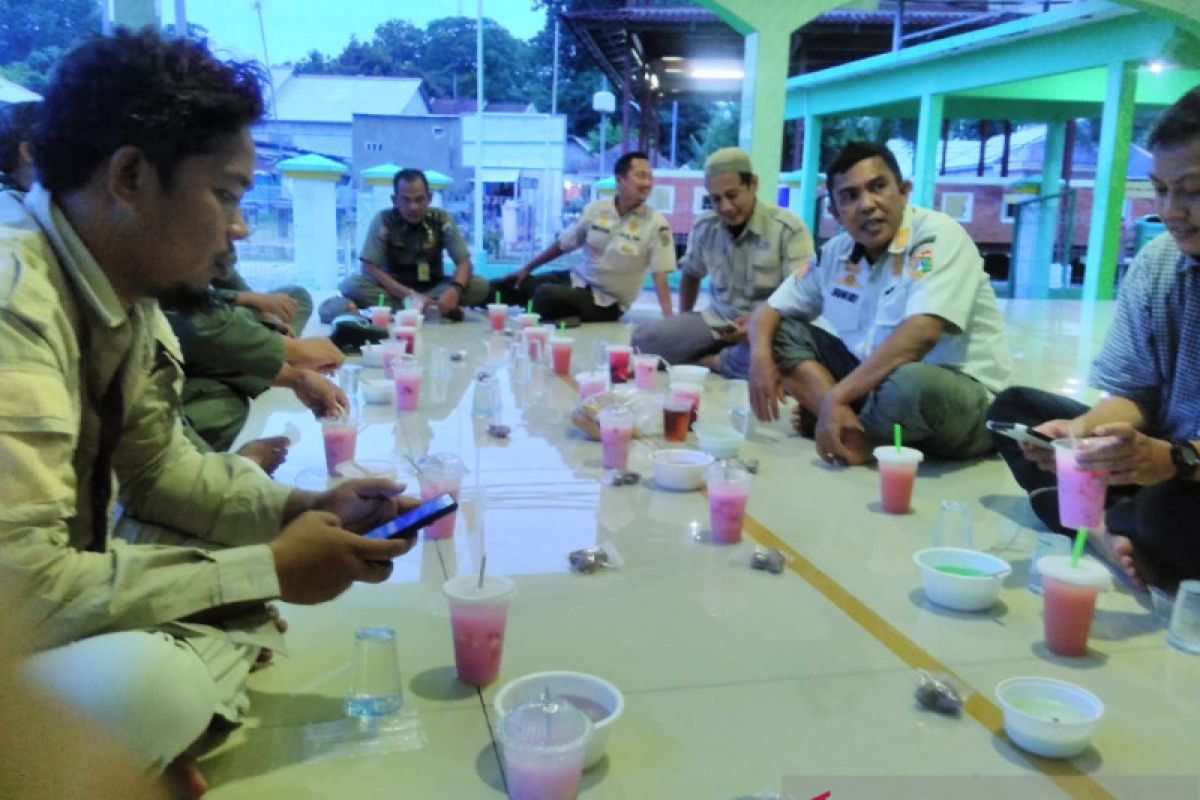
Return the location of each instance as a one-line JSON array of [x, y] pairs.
[[408, 385], [527, 319], [497, 316], [407, 334], [645, 370], [410, 318], [897, 473], [953, 525], [381, 316], [477, 619], [1048, 544], [341, 440], [677, 415], [690, 392], [391, 355], [560, 354], [728, 491], [1069, 595], [590, 383], [376, 689], [1184, 632], [536, 338], [616, 432], [544, 742], [1081, 493], [618, 357], [441, 473]]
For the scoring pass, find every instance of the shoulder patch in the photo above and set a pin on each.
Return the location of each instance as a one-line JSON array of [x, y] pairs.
[[803, 269], [920, 263]]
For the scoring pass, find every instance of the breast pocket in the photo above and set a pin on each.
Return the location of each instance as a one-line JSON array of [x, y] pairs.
[[842, 308], [764, 272], [598, 238], [891, 312]]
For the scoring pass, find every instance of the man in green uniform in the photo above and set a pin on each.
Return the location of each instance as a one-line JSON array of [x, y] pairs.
[[402, 256]]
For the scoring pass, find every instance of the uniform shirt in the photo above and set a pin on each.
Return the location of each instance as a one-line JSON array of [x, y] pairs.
[[931, 267], [743, 272], [412, 254], [54, 298], [618, 250], [1152, 352]]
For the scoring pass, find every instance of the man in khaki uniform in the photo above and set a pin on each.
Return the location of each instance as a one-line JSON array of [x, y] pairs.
[[746, 247], [139, 201], [622, 239]]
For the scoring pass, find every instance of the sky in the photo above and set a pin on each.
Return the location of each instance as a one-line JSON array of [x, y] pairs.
[[294, 27]]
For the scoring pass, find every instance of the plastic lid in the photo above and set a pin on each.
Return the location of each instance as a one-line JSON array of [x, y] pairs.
[[547, 724], [465, 589], [905, 455], [441, 464], [1088, 572]]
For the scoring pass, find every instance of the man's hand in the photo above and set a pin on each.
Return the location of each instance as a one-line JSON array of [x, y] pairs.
[[448, 301], [319, 355], [278, 305], [738, 334], [766, 387], [840, 435], [1055, 429], [1128, 456], [517, 277], [365, 503], [322, 396], [316, 560]]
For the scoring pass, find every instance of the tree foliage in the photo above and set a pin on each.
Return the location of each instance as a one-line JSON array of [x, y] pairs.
[[34, 35]]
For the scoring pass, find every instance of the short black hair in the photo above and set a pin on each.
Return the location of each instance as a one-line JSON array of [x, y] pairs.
[[16, 126], [408, 176], [1180, 123], [854, 152], [170, 98], [621, 168]]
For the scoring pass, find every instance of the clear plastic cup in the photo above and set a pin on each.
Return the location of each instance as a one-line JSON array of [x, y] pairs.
[[728, 492], [954, 526], [616, 433], [1081, 494], [410, 318], [392, 353], [897, 473], [677, 416], [441, 473], [341, 441], [1069, 595], [618, 357], [560, 354], [376, 689], [408, 385], [381, 316], [1048, 544], [692, 393], [477, 621], [497, 316], [536, 338], [527, 319], [1184, 632], [544, 741], [407, 335], [645, 371], [591, 383]]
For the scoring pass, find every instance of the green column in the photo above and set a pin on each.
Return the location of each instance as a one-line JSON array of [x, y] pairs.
[[811, 169], [1056, 138], [134, 13], [929, 134], [1108, 198], [763, 93]]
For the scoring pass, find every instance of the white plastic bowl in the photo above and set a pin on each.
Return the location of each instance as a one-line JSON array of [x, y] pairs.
[[688, 373], [679, 470], [378, 390], [599, 697], [961, 592], [372, 355], [719, 441], [1048, 717]]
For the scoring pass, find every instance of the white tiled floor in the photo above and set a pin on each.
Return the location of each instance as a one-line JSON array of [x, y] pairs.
[[733, 678]]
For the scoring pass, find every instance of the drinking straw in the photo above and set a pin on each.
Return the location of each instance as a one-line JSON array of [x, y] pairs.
[[529, 307], [380, 299], [562, 327], [497, 298], [897, 436], [1077, 550], [482, 566]]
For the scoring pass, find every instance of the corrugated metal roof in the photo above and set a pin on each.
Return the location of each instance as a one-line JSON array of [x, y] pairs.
[[337, 98], [703, 15]]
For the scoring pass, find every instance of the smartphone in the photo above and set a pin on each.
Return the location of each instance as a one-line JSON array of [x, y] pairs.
[[407, 524], [1021, 433]]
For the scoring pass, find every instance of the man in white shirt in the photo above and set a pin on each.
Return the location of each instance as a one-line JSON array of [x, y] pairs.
[[919, 340], [622, 238]]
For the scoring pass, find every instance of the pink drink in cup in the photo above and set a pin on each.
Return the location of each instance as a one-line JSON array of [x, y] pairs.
[[381, 316], [591, 383], [560, 354], [407, 335], [408, 386], [441, 473], [528, 319], [341, 440], [477, 621], [897, 474], [690, 392], [619, 356], [544, 742], [645, 368], [392, 353], [616, 432], [536, 338], [532, 776], [728, 491], [1081, 494], [497, 316], [1069, 595]]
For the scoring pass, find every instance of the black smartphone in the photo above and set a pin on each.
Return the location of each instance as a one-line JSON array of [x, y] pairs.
[[407, 524], [1021, 433]]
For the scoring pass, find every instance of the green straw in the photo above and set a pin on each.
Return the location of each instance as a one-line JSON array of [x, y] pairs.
[[562, 327], [897, 437], [380, 299], [1077, 550], [529, 307], [497, 298]]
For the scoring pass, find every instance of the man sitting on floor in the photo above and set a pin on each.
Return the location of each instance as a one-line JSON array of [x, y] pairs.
[[402, 256], [1149, 367], [143, 154], [746, 247], [624, 239], [918, 339]]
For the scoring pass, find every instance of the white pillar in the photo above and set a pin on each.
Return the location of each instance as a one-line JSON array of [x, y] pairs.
[[314, 234]]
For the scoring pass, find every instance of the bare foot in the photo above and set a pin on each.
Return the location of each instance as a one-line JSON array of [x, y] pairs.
[[1118, 551], [265, 655], [268, 453], [183, 777]]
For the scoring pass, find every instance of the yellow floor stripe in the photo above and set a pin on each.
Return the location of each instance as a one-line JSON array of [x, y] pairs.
[[1076, 784]]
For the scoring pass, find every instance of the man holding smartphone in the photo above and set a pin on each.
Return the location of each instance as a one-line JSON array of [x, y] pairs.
[[746, 247], [1149, 367]]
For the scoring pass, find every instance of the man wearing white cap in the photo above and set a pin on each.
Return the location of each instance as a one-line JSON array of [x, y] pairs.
[[746, 247]]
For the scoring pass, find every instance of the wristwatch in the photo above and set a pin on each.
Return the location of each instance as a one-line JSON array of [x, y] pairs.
[[1185, 458]]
